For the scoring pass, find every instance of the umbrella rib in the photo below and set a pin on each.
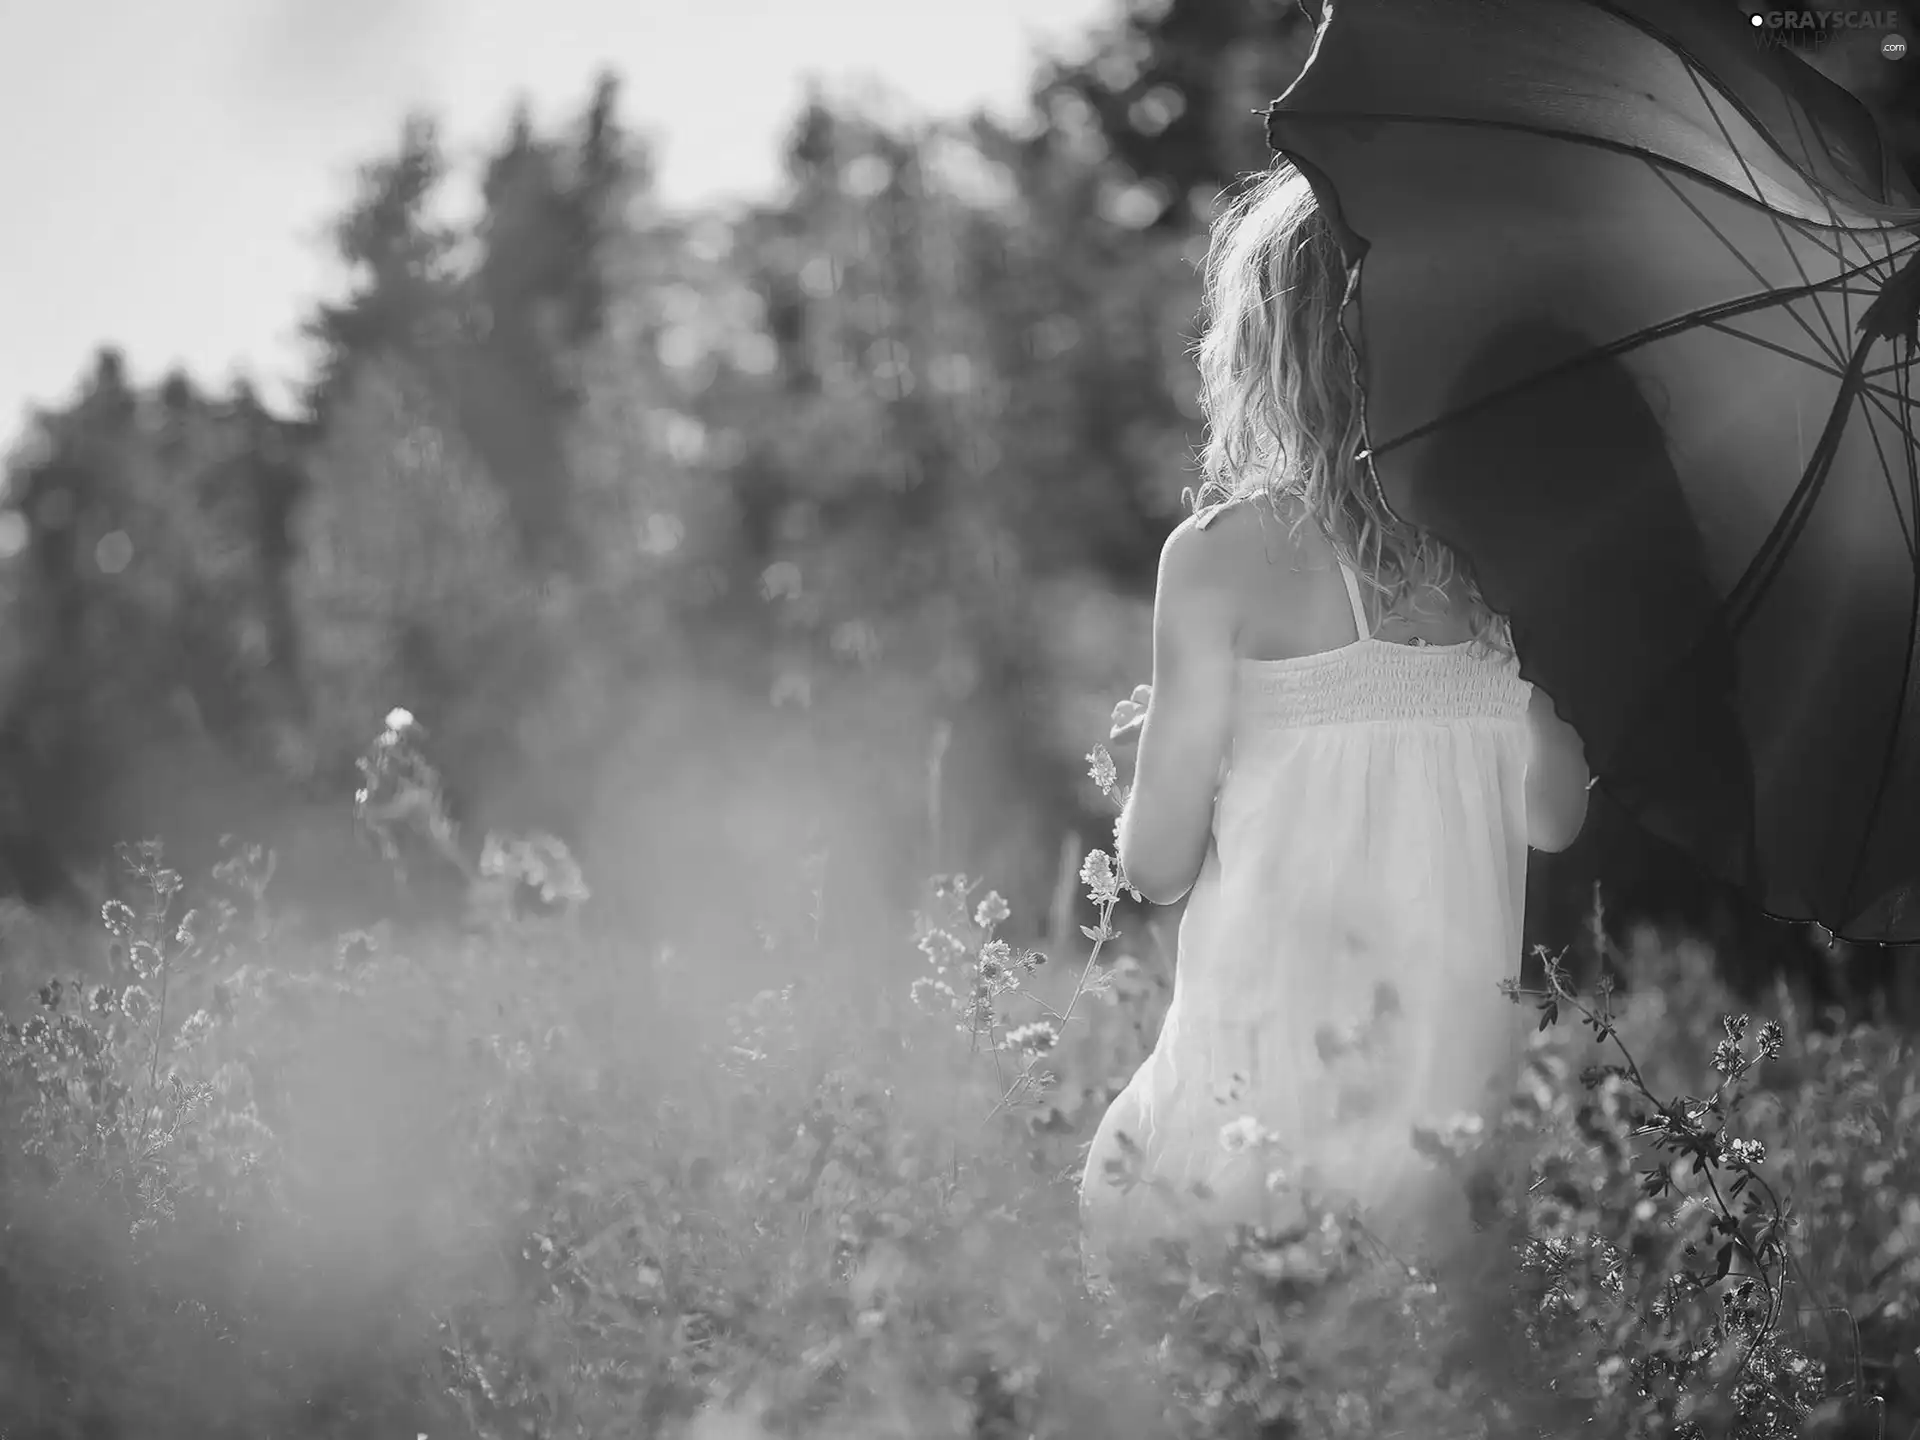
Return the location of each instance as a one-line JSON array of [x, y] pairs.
[[1833, 348], [1824, 366], [1811, 235], [1772, 554], [1760, 128], [1891, 367], [1879, 396], [1903, 395], [1807, 142], [1793, 255], [1913, 470], [1880, 393], [1913, 449], [1911, 514], [1728, 309], [1890, 751]]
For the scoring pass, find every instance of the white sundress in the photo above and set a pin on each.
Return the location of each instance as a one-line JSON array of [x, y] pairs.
[[1366, 876]]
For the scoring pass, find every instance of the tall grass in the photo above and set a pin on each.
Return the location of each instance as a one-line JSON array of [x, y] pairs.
[[524, 1177]]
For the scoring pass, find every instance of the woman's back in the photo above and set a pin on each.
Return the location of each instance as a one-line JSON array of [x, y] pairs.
[[1288, 589], [1345, 798]]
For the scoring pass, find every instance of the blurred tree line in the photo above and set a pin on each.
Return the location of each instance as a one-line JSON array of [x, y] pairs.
[[704, 542], [825, 529]]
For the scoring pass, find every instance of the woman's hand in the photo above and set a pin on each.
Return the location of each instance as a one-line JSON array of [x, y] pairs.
[[1558, 780], [1130, 714]]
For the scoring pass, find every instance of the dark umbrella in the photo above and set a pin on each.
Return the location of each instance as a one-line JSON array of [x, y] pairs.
[[1634, 312]]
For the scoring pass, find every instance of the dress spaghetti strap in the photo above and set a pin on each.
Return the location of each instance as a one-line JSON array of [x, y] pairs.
[[1204, 518], [1360, 627]]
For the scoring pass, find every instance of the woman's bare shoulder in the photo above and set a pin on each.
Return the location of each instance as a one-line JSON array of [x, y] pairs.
[[1245, 537], [1261, 573]]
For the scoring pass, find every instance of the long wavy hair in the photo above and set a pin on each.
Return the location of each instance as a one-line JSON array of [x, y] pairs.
[[1279, 385]]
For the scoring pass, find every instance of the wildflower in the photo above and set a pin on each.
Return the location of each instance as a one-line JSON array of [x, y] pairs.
[[977, 1014], [1745, 1152], [1036, 1038], [136, 1004], [941, 948], [356, 948], [1097, 874], [117, 916], [933, 996], [399, 720], [538, 862], [1453, 1138], [858, 641], [993, 910], [197, 1027], [996, 959], [1727, 1058], [104, 999], [145, 959], [1771, 1039], [1246, 1133], [950, 887], [1288, 1262], [1611, 1373], [1100, 769]]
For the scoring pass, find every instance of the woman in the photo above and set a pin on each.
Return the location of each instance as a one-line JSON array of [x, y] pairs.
[[1339, 760]]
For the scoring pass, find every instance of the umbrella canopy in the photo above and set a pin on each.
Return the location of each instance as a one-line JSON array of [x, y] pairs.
[[1633, 309]]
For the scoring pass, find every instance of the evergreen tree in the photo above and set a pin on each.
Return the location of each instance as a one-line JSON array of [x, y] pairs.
[[404, 300], [406, 587]]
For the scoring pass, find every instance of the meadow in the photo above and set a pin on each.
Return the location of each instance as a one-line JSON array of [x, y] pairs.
[[520, 1177], [632, 948]]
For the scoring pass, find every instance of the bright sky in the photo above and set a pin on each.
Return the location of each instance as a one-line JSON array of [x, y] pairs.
[[168, 169]]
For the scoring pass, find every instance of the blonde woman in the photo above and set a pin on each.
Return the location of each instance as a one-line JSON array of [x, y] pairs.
[[1341, 770]]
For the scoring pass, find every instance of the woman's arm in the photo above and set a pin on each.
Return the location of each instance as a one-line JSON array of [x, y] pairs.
[[1164, 830], [1556, 777]]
